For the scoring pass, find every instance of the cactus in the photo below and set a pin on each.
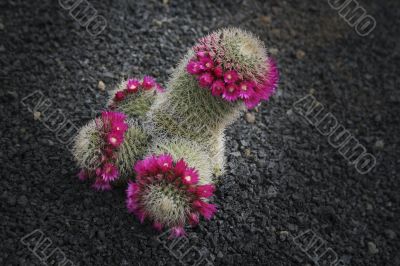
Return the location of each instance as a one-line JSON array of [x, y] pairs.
[[199, 104], [181, 131], [133, 97], [92, 148], [168, 193]]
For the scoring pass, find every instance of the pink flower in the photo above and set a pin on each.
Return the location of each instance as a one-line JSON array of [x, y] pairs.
[[115, 139], [151, 165], [202, 54], [177, 231], [158, 226], [206, 64], [132, 85], [193, 219], [101, 184], [82, 175], [140, 169], [109, 116], [190, 177], [231, 76], [165, 162], [246, 89], [252, 101], [132, 205], [132, 189], [119, 96], [272, 76], [109, 172], [231, 92], [193, 67], [206, 209], [119, 127], [218, 72], [148, 82], [217, 87], [180, 168], [206, 79], [205, 191]]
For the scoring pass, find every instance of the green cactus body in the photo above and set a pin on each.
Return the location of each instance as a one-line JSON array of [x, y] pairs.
[[135, 105], [88, 145]]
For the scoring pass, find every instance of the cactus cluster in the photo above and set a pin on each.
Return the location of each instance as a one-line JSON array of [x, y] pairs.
[[175, 137]]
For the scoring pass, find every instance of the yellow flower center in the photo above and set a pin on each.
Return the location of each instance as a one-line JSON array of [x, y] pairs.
[[188, 178]]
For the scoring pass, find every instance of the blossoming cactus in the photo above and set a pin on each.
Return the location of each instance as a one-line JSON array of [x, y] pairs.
[[180, 132], [225, 72], [169, 193]]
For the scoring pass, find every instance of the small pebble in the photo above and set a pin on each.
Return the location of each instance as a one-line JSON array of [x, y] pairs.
[[379, 144], [372, 248], [300, 54], [250, 118], [101, 85], [273, 51], [22, 200], [266, 19], [36, 115]]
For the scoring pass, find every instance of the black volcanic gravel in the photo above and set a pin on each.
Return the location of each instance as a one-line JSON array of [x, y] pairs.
[[283, 177]]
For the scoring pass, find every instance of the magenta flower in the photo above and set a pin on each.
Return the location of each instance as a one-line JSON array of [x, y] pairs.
[[246, 89], [252, 101], [206, 79], [158, 226], [177, 231], [180, 168], [193, 219], [202, 54], [148, 82], [115, 139], [231, 92], [190, 177], [132, 85], [132, 189], [193, 67], [231, 76], [205, 191], [206, 209], [82, 175], [109, 172], [217, 88], [101, 185], [206, 64], [108, 116], [165, 162], [218, 72], [119, 127], [119, 96]]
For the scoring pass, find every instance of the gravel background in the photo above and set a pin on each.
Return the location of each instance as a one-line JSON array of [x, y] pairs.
[[283, 177]]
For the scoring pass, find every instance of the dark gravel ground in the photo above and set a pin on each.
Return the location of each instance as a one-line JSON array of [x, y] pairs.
[[283, 176]]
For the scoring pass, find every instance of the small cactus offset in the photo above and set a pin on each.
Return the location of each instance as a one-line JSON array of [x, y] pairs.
[[169, 194], [171, 144], [133, 97]]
